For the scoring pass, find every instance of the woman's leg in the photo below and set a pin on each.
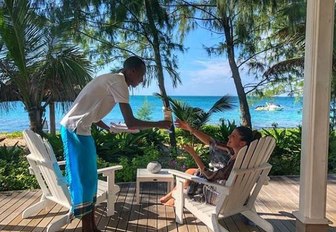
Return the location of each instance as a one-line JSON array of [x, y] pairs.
[[191, 171], [168, 199], [170, 202]]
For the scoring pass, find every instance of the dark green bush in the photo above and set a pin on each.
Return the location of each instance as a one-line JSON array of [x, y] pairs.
[[136, 150], [57, 145], [14, 172], [332, 152], [285, 158], [221, 132], [131, 164]]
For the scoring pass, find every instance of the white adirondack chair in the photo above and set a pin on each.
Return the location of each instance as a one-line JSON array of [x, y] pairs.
[[44, 166], [239, 192]]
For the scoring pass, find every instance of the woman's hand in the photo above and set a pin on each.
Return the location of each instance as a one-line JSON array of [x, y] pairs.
[[193, 153]]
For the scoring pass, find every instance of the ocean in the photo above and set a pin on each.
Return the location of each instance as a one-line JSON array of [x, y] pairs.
[[290, 116]]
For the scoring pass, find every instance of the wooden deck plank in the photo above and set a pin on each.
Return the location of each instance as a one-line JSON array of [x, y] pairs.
[[10, 202], [141, 221], [7, 196], [119, 206], [126, 209], [18, 223], [151, 209], [47, 216], [16, 208], [135, 211], [275, 203], [170, 219], [283, 207], [102, 219], [100, 216], [162, 225], [271, 212]]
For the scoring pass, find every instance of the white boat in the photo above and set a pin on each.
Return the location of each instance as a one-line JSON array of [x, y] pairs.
[[269, 107]]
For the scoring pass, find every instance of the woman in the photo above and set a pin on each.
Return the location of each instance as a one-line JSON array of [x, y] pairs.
[[240, 137]]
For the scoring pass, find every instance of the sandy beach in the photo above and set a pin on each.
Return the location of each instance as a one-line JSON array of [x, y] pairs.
[[9, 142]]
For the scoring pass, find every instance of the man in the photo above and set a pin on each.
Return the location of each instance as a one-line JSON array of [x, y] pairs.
[[95, 101]]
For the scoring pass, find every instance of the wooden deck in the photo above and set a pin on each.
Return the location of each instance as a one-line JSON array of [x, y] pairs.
[[275, 203]]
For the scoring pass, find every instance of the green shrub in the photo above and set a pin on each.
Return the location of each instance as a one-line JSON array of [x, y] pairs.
[[285, 159], [134, 151], [57, 145], [14, 172], [332, 152], [16, 134], [111, 147], [130, 165], [221, 132]]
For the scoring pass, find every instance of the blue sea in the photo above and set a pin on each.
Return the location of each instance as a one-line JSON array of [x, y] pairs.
[[291, 115]]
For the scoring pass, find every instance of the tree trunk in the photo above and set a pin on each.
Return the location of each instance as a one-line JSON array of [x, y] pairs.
[[35, 119], [243, 104], [159, 68], [52, 118]]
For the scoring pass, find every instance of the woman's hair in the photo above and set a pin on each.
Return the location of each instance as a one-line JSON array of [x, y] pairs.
[[247, 135]]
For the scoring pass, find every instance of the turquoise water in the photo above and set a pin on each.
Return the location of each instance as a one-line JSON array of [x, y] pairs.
[[290, 116]]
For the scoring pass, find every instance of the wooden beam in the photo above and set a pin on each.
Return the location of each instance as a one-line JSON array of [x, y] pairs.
[[315, 123]]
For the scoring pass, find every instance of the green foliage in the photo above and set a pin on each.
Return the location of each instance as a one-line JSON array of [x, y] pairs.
[[285, 158], [16, 134], [145, 111], [14, 172], [57, 145], [332, 152], [185, 161], [130, 165], [221, 132], [38, 64], [134, 151], [111, 147], [196, 116]]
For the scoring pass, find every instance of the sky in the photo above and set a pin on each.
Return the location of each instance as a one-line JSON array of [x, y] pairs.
[[201, 75]]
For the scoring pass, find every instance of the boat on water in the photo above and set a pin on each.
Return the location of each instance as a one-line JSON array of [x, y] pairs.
[[269, 107]]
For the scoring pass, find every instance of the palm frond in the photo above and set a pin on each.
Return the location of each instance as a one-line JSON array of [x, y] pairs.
[[285, 67], [224, 103], [196, 116]]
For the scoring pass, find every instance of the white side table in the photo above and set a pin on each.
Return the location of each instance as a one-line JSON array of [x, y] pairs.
[[143, 175]]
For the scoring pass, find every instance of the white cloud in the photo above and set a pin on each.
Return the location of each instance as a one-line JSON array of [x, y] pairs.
[[199, 78], [207, 72]]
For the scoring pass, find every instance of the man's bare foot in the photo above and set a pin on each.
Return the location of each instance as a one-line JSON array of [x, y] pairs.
[[170, 202]]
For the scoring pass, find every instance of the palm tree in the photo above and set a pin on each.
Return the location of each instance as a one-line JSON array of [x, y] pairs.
[[35, 62], [195, 116]]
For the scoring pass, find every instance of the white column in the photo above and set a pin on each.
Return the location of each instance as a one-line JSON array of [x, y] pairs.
[[316, 101]]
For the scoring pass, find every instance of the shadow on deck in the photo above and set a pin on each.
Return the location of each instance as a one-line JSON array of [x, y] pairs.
[[275, 203]]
